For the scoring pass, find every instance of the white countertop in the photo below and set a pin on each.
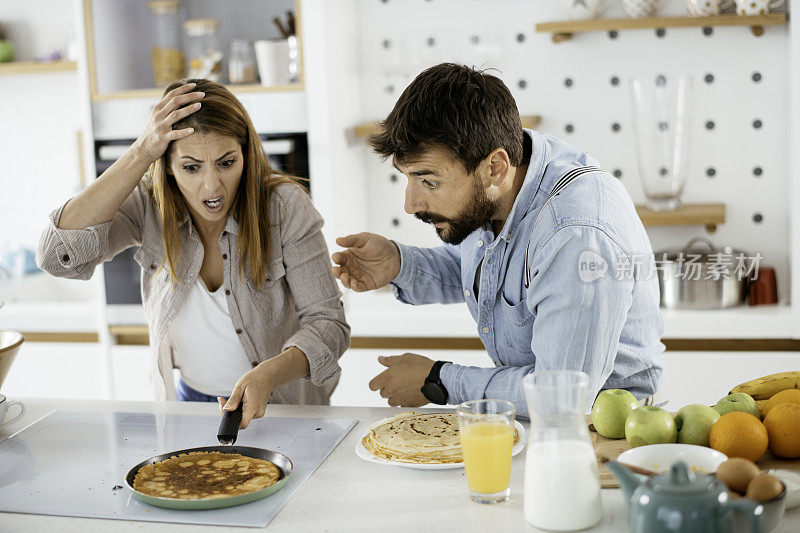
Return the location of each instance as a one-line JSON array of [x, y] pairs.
[[345, 493]]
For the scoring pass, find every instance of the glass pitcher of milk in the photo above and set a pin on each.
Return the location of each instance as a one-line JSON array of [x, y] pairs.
[[562, 483]]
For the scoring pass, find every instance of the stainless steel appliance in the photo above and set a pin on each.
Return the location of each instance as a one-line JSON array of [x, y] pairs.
[[702, 277]]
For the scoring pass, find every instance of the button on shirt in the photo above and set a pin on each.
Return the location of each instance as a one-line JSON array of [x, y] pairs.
[[205, 343], [298, 303], [608, 326]]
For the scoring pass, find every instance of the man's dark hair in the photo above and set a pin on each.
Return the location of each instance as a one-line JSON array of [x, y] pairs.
[[455, 107]]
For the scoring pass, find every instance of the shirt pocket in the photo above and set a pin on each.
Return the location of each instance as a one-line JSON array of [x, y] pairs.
[[154, 267], [516, 327], [275, 273], [274, 277], [149, 259]]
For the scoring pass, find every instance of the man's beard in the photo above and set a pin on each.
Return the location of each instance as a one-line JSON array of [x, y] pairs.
[[475, 215]]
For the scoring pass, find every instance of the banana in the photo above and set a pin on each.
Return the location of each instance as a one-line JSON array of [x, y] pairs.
[[765, 387]]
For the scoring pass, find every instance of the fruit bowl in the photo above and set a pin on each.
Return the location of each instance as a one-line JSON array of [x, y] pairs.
[[659, 457]]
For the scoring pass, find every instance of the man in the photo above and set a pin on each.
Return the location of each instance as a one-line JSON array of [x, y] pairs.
[[545, 249]]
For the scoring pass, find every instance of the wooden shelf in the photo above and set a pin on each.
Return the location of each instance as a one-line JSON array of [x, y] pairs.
[[708, 215], [563, 31], [236, 89], [362, 131], [36, 67]]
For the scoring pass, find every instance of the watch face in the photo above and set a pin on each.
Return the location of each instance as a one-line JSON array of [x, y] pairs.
[[434, 393]]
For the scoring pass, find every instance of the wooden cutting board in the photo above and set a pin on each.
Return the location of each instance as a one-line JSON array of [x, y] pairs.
[[611, 448]]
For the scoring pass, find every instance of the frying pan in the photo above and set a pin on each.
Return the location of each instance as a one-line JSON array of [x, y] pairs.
[[228, 429]]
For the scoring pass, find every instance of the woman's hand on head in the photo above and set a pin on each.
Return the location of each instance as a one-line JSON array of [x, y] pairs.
[[158, 133], [254, 389]]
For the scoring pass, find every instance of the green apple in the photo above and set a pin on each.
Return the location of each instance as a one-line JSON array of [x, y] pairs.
[[738, 401], [6, 52], [650, 425], [694, 423], [610, 410]]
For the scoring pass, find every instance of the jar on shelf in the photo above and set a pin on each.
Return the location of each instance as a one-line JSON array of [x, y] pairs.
[[166, 56], [241, 62], [203, 52]]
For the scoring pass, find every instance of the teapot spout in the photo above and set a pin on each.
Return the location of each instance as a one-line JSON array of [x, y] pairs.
[[628, 481]]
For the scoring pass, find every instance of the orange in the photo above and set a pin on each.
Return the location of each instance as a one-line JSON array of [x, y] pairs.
[[783, 427], [784, 396], [739, 434]]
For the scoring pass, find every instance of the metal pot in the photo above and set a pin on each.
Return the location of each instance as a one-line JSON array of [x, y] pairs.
[[702, 278]]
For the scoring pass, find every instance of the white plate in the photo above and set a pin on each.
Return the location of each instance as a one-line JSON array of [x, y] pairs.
[[659, 457], [372, 458]]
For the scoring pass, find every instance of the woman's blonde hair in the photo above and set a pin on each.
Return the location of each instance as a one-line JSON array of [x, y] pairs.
[[223, 114]]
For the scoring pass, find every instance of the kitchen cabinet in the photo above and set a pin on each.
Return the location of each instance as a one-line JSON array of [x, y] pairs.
[[120, 34], [705, 377]]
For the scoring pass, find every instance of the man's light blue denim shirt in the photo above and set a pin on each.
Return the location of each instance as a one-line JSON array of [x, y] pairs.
[[605, 323]]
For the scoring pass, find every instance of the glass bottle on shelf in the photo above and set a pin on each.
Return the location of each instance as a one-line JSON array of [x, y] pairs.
[[166, 56], [203, 52], [242, 62]]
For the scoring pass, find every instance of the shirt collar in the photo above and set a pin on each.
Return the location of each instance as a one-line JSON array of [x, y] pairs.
[[524, 203]]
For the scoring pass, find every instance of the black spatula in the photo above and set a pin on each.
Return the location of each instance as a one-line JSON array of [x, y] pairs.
[[229, 425]]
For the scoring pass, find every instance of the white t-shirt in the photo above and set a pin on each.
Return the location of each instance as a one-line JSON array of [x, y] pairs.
[[207, 349]]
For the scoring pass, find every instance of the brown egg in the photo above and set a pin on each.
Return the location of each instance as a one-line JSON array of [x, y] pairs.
[[734, 495], [737, 473], [764, 487]]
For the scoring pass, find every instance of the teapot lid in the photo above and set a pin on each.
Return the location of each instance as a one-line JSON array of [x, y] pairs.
[[680, 481]]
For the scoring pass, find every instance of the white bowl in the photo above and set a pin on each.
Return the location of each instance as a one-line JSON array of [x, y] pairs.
[[660, 457]]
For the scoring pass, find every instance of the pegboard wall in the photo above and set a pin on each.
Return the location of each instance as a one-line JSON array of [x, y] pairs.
[[738, 121]]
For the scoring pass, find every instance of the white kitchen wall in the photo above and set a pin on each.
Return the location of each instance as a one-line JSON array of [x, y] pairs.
[[39, 122], [40, 116], [569, 85]]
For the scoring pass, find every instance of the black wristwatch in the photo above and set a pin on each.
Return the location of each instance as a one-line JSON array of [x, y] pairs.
[[433, 389]]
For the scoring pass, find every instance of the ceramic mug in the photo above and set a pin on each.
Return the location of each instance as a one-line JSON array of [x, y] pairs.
[[641, 8], [756, 7], [707, 8], [4, 405], [584, 9]]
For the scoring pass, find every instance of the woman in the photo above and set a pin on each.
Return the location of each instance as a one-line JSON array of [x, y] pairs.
[[236, 282]]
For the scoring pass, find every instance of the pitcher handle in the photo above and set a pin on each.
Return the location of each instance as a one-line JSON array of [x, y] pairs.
[[751, 508], [726, 4], [777, 3]]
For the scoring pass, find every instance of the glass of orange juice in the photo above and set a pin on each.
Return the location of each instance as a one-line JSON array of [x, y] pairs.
[[487, 436]]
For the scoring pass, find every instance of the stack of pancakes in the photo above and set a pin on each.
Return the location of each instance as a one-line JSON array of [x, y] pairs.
[[430, 438], [205, 475]]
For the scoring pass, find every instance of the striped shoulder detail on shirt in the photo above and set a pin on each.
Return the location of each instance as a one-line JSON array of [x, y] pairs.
[[562, 182]]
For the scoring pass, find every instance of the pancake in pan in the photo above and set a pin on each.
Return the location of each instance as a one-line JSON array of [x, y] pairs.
[[205, 475]]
